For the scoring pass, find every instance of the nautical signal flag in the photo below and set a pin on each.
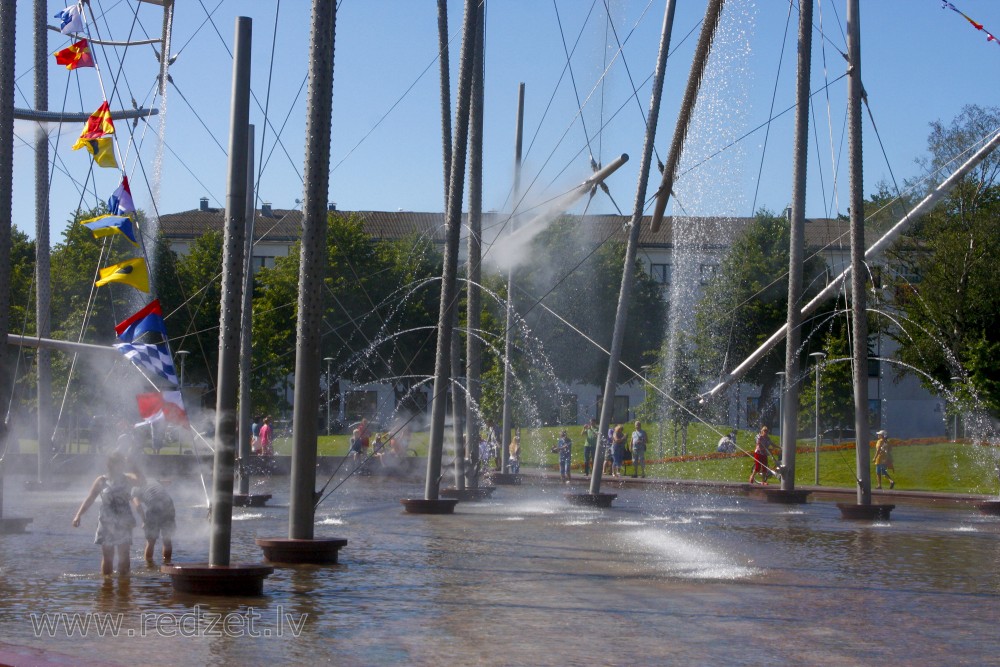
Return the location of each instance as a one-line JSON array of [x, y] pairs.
[[70, 19], [148, 319], [153, 358], [102, 149], [98, 125], [75, 55], [120, 201], [106, 225], [165, 405], [131, 272]]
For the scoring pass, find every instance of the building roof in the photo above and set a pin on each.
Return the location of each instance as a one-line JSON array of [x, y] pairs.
[[285, 226]]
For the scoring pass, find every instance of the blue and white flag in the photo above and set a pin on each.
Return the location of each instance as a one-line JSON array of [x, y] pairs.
[[70, 20], [153, 358], [120, 201]]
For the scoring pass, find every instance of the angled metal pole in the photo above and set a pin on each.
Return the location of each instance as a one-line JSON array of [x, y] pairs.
[[474, 270], [508, 345], [232, 296], [312, 269], [628, 271], [246, 324], [796, 250], [449, 294]]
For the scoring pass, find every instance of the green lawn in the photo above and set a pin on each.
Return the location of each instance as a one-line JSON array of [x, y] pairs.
[[923, 466]]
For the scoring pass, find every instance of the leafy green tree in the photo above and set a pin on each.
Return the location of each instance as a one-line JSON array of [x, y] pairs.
[[944, 276], [195, 326], [746, 301]]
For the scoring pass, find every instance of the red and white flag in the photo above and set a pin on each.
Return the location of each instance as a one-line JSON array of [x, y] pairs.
[[166, 405]]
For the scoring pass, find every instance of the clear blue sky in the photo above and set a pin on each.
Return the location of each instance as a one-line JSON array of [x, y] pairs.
[[920, 63]]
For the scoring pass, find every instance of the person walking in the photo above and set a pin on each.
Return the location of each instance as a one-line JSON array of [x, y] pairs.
[[883, 459], [638, 450], [115, 520], [265, 439], [590, 447], [564, 446], [155, 508], [514, 459], [617, 451], [761, 451]]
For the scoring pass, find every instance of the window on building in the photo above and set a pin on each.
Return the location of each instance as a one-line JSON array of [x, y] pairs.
[[874, 413], [706, 272], [874, 368], [569, 409], [660, 273], [753, 412], [620, 412], [361, 404]]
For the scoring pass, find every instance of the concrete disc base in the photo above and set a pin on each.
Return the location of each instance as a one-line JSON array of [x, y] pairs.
[[241, 580], [504, 478], [250, 499], [864, 512], [990, 507], [591, 499], [793, 497], [12, 525], [287, 550], [424, 506], [478, 493]]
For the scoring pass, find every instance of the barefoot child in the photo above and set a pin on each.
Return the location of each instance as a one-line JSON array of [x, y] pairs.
[[115, 521], [156, 509]]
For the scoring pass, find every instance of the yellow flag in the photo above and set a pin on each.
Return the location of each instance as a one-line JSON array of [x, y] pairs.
[[132, 272], [102, 149]]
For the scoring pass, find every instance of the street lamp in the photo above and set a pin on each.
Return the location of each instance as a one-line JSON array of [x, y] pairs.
[[955, 380], [781, 401], [819, 357], [328, 360], [183, 355]]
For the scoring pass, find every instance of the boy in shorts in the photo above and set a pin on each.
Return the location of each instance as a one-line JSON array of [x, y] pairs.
[[156, 510]]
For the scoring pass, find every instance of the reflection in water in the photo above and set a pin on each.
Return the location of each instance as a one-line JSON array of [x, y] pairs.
[[527, 579]]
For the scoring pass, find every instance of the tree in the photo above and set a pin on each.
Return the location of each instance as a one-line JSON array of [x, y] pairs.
[[946, 285], [746, 301]]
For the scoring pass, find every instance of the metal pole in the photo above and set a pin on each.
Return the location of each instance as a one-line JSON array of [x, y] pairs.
[[508, 345], [246, 319], [858, 272], [449, 293], [43, 273], [781, 401], [8, 15], [796, 249], [628, 272], [474, 273], [874, 251], [312, 267], [329, 385], [232, 292], [819, 357]]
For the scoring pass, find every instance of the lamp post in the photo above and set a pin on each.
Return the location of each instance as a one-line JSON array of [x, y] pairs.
[[781, 401], [819, 357], [328, 360], [955, 380], [183, 355]]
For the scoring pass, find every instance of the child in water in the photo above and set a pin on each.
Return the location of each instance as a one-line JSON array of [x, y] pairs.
[[115, 520], [156, 509]]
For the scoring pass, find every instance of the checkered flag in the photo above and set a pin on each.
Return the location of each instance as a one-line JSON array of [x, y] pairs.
[[154, 358]]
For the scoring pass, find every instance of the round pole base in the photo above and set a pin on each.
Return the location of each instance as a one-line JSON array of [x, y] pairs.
[[240, 580], [864, 512], [590, 499], [479, 493], [287, 550], [781, 496], [250, 499], [426, 506], [989, 507], [504, 478], [12, 525]]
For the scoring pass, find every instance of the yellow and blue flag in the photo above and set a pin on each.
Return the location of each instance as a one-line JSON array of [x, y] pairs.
[[106, 225]]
